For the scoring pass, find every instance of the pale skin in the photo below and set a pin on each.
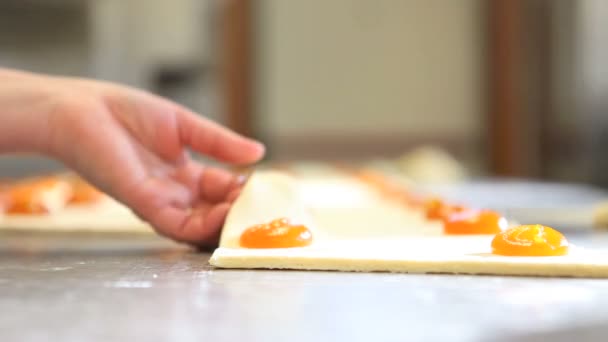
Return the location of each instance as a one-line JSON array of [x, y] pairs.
[[130, 144]]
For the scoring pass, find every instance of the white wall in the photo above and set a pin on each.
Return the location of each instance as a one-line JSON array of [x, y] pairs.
[[409, 67]]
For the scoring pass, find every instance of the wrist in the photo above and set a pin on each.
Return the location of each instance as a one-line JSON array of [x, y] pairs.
[[25, 103]]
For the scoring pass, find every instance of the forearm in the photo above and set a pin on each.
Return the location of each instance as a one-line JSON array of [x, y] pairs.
[[25, 105]]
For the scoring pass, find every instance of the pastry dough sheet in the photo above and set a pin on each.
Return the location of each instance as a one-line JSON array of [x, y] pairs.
[[386, 238], [454, 255], [105, 216]]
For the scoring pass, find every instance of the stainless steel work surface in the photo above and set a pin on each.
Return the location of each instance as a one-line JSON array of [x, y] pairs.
[[107, 288]]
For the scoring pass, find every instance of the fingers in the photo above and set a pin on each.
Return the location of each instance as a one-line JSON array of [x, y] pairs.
[[164, 205], [200, 227], [233, 195], [217, 185], [214, 221], [211, 139]]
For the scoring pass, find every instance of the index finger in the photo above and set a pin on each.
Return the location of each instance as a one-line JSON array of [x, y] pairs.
[[216, 141]]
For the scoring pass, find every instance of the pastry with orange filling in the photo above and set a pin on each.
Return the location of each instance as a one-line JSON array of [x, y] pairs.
[[436, 209], [386, 187], [279, 233], [530, 240], [474, 222], [38, 196], [83, 192], [372, 178]]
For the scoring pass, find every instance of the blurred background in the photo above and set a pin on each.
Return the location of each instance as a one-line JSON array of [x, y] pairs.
[[515, 88]]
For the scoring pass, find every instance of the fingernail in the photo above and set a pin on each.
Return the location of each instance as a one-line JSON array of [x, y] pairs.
[[241, 179], [260, 146]]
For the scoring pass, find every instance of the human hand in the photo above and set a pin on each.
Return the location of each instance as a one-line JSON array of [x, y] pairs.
[[132, 145]]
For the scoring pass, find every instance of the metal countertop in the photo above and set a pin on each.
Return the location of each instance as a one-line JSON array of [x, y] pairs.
[[87, 287]]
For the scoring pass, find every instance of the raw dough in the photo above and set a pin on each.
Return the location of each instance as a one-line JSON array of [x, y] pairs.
[[466, 255], [105, 216], [386, 237], [600, 216], [432, 165], [266, 196], [334, 208]]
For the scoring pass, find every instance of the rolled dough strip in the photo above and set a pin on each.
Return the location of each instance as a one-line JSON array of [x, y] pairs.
[[384, 241]]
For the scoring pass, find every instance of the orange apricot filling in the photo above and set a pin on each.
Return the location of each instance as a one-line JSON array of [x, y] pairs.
[[372, 178], [83, 192], [37, 196], [279, 233], [530, 240], [390, 189], [436, 209], [474, 222]]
